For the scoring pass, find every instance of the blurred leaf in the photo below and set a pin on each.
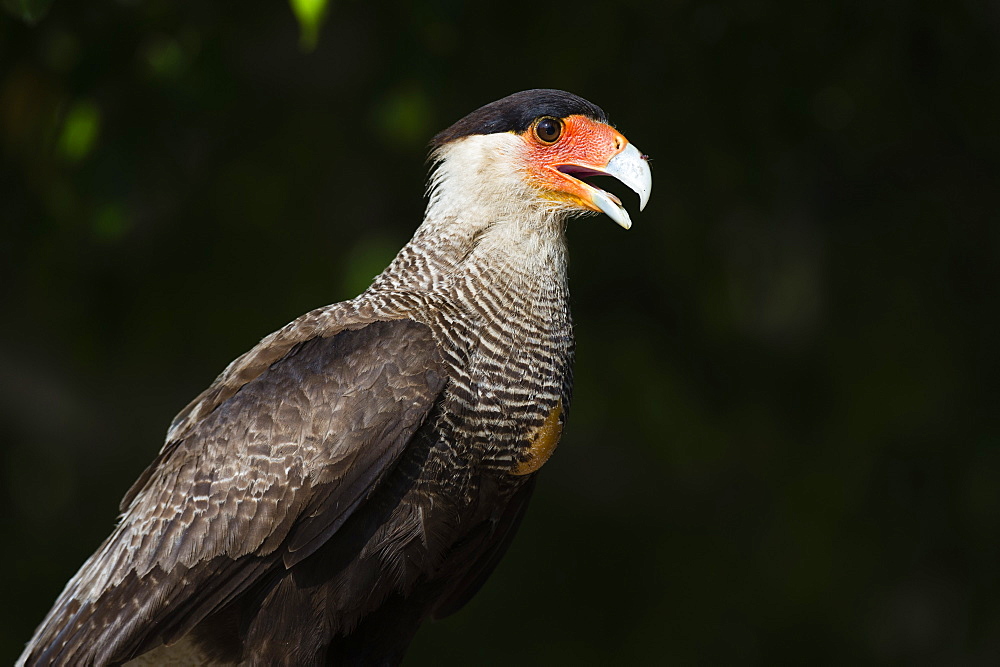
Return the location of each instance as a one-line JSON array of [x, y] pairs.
[[29, 11], [310, 15], [165, 57], [110, 222], [83, 122], [403, 117]]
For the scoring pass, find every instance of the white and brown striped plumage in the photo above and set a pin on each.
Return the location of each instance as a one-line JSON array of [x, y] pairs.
[[364, 467]]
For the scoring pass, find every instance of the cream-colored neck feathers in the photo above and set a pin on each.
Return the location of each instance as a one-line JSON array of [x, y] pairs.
[[482, 214]]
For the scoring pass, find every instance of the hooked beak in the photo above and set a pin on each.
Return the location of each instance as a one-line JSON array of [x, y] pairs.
[[630, 167]]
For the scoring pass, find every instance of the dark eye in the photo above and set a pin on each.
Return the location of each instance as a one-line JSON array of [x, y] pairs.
[[548, 129]]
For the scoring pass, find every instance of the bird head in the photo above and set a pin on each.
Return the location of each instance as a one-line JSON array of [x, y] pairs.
[[536, 148]]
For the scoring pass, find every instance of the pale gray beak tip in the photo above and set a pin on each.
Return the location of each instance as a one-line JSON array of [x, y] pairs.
[[632, 168]]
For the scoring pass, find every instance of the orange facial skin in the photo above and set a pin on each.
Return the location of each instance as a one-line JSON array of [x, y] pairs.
[[583, 143]]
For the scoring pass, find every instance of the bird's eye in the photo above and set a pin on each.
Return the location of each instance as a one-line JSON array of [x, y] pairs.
[[548, 130]]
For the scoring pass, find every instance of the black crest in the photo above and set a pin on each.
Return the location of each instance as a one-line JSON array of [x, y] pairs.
[[516, 112]]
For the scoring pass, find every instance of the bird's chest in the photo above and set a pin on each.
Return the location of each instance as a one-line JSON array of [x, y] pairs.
[[510, 402]]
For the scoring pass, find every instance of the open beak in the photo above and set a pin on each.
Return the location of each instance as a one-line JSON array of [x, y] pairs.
[[630, 167]]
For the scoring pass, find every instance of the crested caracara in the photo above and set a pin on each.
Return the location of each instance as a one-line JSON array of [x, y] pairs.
[[364, 468]]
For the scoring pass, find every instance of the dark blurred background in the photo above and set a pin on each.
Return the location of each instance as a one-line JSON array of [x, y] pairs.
[[784, 445]]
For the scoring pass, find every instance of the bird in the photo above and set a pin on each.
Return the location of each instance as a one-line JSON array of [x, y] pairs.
[[363, 469]]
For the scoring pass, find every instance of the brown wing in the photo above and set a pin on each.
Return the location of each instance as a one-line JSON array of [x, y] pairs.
[[265, 471]]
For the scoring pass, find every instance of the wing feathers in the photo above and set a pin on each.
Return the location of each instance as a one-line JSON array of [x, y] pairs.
[[272, 466]]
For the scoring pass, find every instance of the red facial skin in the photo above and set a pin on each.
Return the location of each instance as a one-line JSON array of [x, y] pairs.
[[584, 143]]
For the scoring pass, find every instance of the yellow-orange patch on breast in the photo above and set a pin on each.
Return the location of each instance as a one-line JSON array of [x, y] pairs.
[[543, 442]]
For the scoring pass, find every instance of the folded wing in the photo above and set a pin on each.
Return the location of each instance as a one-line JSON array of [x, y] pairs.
[[256, 475]]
